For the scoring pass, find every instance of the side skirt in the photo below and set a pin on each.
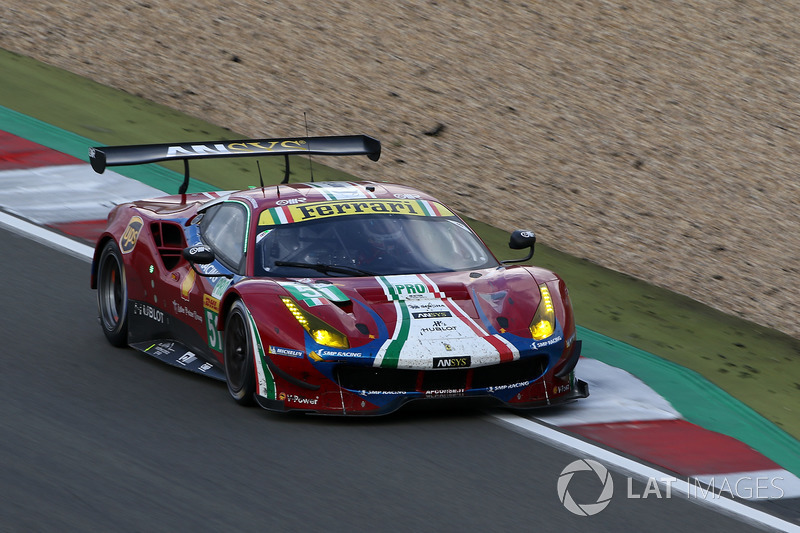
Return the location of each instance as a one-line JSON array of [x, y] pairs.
[[176, 354]]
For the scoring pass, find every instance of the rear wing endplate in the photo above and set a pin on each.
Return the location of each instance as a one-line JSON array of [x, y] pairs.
[[101, 157]]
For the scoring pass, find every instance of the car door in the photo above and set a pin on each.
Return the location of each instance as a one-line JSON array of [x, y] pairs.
[[223, 228]]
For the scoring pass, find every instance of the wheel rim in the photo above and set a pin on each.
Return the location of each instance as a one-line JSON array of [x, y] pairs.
[[236, 352], [111, 293]]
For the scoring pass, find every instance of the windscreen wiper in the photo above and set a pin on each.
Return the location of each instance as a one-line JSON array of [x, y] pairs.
[[322, 267]]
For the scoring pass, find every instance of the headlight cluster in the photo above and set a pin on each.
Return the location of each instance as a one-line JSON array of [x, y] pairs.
[[544, 321], [319, 330]]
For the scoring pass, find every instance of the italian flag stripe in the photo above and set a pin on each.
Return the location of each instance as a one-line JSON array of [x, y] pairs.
[[507, 352], [265, 384], [389, 354]]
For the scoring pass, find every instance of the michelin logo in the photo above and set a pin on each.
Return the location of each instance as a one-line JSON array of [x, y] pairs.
[[277, 350]]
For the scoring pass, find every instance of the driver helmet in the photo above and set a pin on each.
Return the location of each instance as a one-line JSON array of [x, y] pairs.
[[383, 234]]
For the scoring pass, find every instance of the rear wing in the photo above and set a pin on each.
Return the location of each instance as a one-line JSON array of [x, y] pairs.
[[108, 156]]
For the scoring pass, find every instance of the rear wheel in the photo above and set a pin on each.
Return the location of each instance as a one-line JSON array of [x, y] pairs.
[[238, 355], [112, 295]]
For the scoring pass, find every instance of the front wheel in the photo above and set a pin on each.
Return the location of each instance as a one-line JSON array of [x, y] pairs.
[[238, 355], [112, 295]]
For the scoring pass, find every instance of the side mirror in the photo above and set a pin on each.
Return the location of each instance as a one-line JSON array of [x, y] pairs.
[[202, 255], [521, 239], [198, 255]]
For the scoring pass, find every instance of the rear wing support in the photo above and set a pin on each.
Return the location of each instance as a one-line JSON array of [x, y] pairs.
[[102, 157]]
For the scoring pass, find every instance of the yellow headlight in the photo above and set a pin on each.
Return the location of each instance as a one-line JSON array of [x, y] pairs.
[[319, 330], [544, 321]]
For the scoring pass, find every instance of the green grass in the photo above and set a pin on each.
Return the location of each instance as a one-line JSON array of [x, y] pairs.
[[757, 365]]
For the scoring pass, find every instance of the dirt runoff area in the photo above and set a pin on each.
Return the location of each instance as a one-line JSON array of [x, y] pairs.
[[659, 139]]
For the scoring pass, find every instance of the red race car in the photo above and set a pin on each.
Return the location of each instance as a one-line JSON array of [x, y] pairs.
[[329, 297]]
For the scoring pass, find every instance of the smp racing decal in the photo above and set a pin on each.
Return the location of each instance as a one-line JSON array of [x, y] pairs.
[[128, 240], [319, 210]]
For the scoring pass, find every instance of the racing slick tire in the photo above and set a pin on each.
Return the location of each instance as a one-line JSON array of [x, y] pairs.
[[238, 355], [112, 295]]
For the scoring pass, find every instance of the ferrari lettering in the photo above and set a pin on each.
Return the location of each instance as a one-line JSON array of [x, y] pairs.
[[353, 208]]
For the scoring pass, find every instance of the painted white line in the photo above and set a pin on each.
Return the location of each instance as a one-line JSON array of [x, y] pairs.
[[642, 472], [46, 236]]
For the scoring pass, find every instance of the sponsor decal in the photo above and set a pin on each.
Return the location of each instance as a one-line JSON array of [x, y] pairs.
[[432, 314], [131, 235], [210, 270], [161, 349], [560, 389], [341, 190], [205, 367], [288, 352], [291, 201], [211, 312], [220, 287], [510, 386], [183, 310], [411, 290], [263, 234], [445, 393], [338, 353], [186, 358], [438, 326], [452, 362], [236, 147], [319, 210], [549, 342], [407, 196], [294, 398], [209, 302], [148, 311], [188, 284]]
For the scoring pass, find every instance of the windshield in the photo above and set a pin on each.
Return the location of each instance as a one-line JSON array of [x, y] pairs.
[[359, 245]]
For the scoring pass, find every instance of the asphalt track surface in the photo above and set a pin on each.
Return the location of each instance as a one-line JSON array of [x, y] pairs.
[[99, 438]]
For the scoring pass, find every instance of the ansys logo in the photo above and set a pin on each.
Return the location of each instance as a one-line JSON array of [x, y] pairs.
[[586, 509]]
